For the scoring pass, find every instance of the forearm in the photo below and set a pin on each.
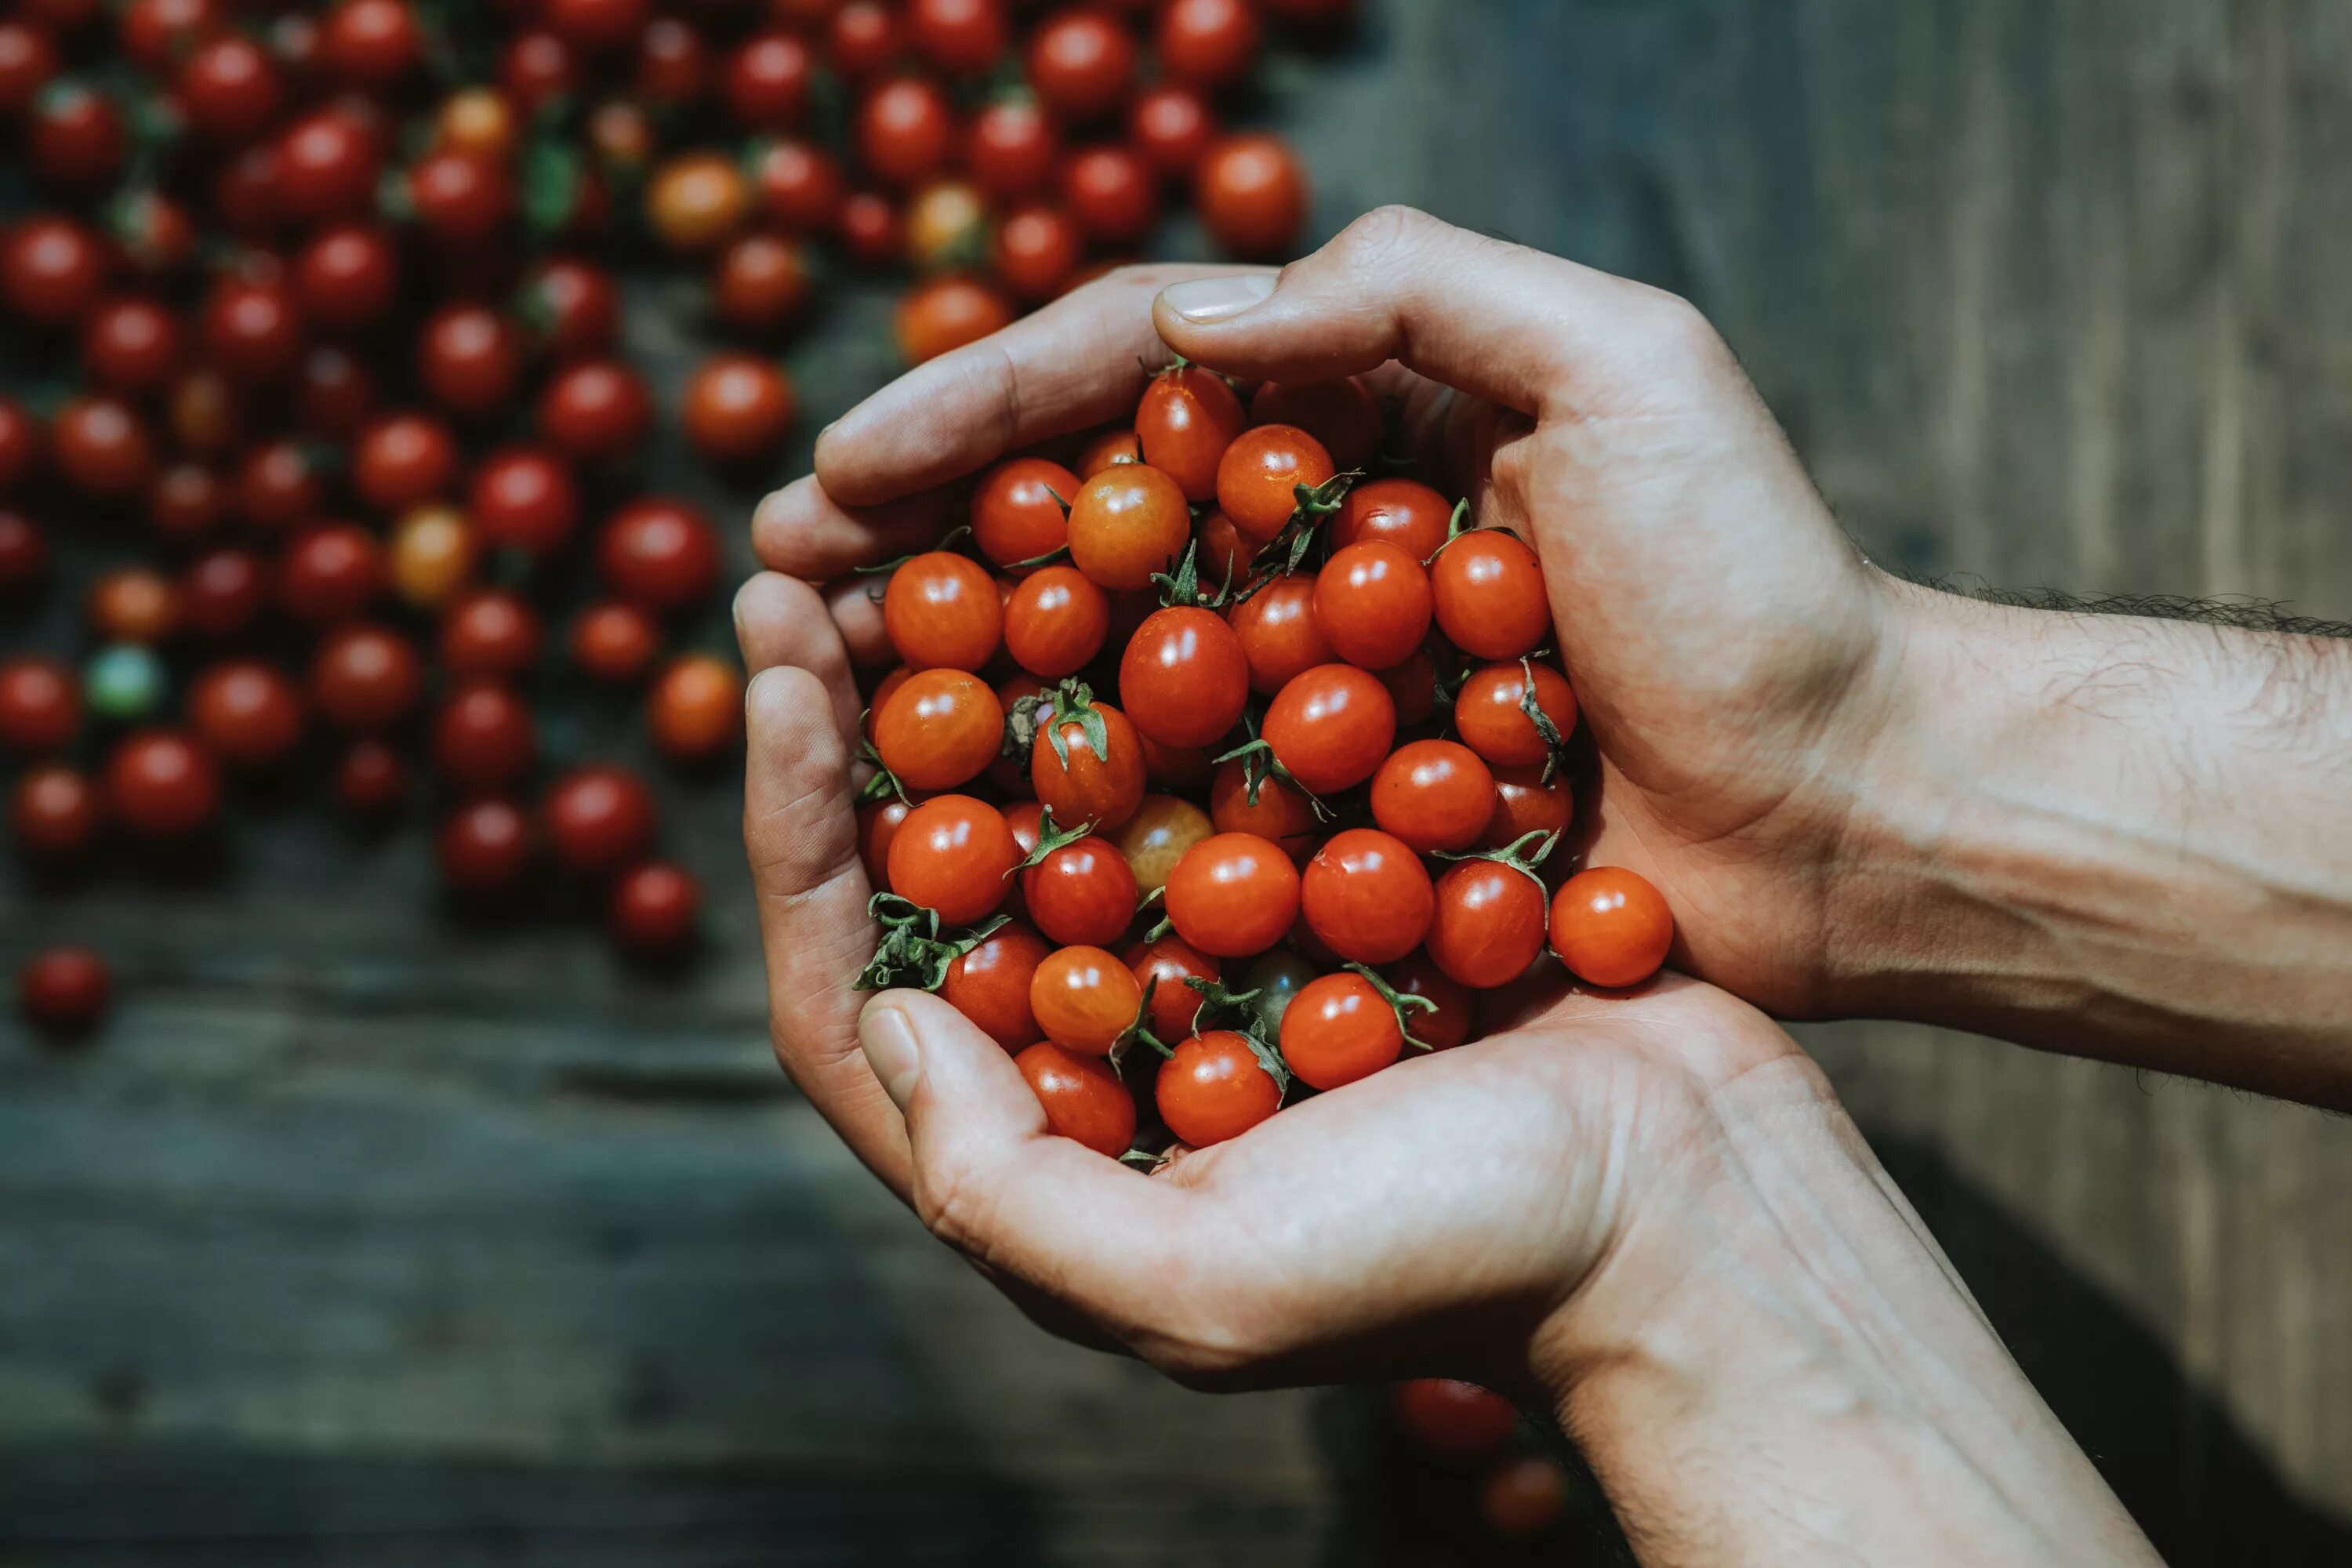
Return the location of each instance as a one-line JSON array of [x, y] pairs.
[[1793, 1374], [2113, 836]]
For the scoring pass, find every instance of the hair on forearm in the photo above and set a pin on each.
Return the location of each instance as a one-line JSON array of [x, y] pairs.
[[2241, 611]]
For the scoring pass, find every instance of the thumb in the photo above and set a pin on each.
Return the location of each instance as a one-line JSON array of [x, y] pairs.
[[1493, 319], [958, 1089]]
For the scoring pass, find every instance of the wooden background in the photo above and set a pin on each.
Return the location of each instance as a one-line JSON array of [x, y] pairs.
[[364, 1238]]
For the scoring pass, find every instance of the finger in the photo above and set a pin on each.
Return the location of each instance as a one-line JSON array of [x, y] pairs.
[[857, 606], [803, 533], [800, 831], [1078, 361], [990, 1181], [782, 620], [1495, 320]]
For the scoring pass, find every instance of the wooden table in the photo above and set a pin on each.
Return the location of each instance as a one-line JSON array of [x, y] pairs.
[[368, 1238]]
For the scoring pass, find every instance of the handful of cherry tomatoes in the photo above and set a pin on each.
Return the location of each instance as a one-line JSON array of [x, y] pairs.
[[1217, 767]]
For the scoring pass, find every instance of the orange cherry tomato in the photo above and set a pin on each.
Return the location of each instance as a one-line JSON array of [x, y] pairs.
[[1126, 523], [1489, 594], [1214, 1088], [1372, 602], [939, 730], [1055, 622], [1100, 791], [942, 611], [1185, 677], [1085, 999], [1232, 895], [1611, 927], [951, 855], [1339, 1029], [1434, 796], [1490, 712], [1259, 476]]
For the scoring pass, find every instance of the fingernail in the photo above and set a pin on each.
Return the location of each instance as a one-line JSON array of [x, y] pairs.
[[1208, 299], [768, 677], [888, 1038]]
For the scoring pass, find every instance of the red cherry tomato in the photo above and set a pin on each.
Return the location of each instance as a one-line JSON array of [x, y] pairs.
[[1110, 194], [1490, 712], [537, 68], [1108, 450], [1489, 923], [614, 643], [1011, 148], [1035, 251], [52, 271], [1455, 1013], [1185, 677], [1208, 43], [573, 306], [1343, 414], [252, 329], [40, 705], [653, 909], [1365, 898], [161, 784], [1055, 623], [989, 985], [348, 278], [1252, 194], [1126, 523], [1525, 803], [736, 408], [63, 991], [1232, 895], [1339, 1029], [335, 391], [762, 283], [660, 554], [489, 634], [1162, 968], [906, 129], [130, 346], [1082, 894], [280, 485], [20, 444], [1102, 789], [1399, 511], [961, 37], [953, 855], [597, 24], [1279, 634], [939, 730], [28, 62], [330, 573], [365, 678], [1083, 1099], [370, 43], [1413, 685], [328, 167], [229, 90], [673, 64], [1020, 511], [77, 136], [404, 460], [942, 611], [877, 824], [1454, 1423], [1526, 1497], [1611, 926], [221, 594], [799, 185], [370, 781], [103, 446], [1187, 418], [486, 848], [1084, 999], [1172, 127], [484, 739], [595, 410], [523, 497], [1214, 1088], [945, 313], [1280, 814], [1332, 727], [470, 360], [24, 555], [54, 812], [1081, 63], [1372, 602], [864, 38], [1434, 795], [1489, 594], [1260, 473], [246, 712], [599, 820], [695, 708]]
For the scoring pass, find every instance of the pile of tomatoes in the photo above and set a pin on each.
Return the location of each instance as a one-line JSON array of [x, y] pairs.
[[1207, 744]]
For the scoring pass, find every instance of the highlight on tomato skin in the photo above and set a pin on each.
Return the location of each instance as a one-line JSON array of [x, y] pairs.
[[1611, 927]]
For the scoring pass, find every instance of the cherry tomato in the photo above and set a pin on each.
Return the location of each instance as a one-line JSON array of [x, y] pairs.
[[130, 346], [1110, 194], [370, 781], [1101, 791], [1082, 894], [477, 119], [432, 553], [280, 485], [1413, 685], [596, 24], [944, 221], [20, 445], [1214, 1088], [1490, 713], [525, 498], [614, 643], [989, 985], [335, 391], [470, 360], [800, 186], [1373, 604], [658, 552], [252, 329], [1260, 473], [877, 824], [1526, 1497], [347, 277], [1183, 768], [155, 232], [1251, 195], [1207, 43], [23, 554], [1434, 795], [1611, 927], [906, 129], [961, 37], [698, 201], [939, 730], [574, 307], [483, 739], [1456, 1014], [1011, 148], [1158, 836], [54, 812], [365, 678], [762, 283], [161, 784], [370, 43], [1339, 1029], [1085, 999], [1399, 511], [737, 407], [1108, 450], [1171, 126], [599, 820], [1232, 895], [53, 271], [229, 90], [1126, 523], [1332, 727], [246, 712], [595, 410], [328, 167], [1187, 418], [1018, 512], [1489, 594], [221, 594], [1081, 63], [1083, 1099], [1162, 968], [653, 909], [404, 460], [245, 197], [1489, 923], [330, 573], [864, 38], [1278, 632], [40, 705], [63, 991], [1451, 1422], [1365, 896], [490, 635], [953, 855], [1036, 250], [76, 137], [1185, 675], [536, 68], [1345, 416], [28, 62], [1525, 803], [945, 313], [1280, 814], [696, 709], [486, 848], [134, 605], [101, 446], [1055, 622]]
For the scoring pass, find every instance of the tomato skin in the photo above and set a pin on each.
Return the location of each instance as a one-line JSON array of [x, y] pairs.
[[525, 498], [695, 711], [1127, 523], [1106, 450], [1611, 927], [161, 784], [906, 129], [1035, 249], [486, 848], [942, 611], [1279, 634], [1100, 791], [595, 410], [1488, 714], [1412, 687], [652, 912], [1014, 514], [1282, 814], [738, 408], [1110, 192], [1251, 195], [1488, 927], [484, 739], [1164, 967], [864, 38], [877, 824], [348, 278], [1055, 622], [365, 678], [762, 283], [961, 37], [1526, 803], [1372, 602], [989, 985], [766, 81], [1186, 419], [52, 271], [402, 460], [1215, 1089], [1172, 127], [103, 446], [54, 812], [1081, 63], [1082, 894], [221, 594], [1434, 796], [489, 634], [1332, 727], [64, 990], [1456, 1017], [939, 730], [658, 552], [1259, 474], [946, 313], [951, 855], [1339, 1029], [1085, 999], [1208, 43], [330, 573], [1365, 896], [1232, 895], [40, 705], [1083, 1099], [1489, 595], [1185, 675], [1343, 414], [1011, 148], [1454, 1422], [130, 346]]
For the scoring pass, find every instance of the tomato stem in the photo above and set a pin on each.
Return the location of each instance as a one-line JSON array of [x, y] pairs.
[[912, 953], [1400, 1003], [1074, 703], [1050, 838], [1555, 744], [1515, 854]]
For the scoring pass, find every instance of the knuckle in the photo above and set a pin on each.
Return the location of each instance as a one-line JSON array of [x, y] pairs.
[[954, 1206], [1383, 234], [1681, 328]]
